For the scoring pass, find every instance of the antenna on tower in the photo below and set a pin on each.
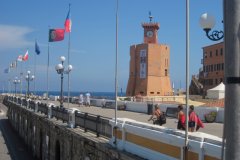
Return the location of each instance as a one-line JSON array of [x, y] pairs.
[[150, 16]]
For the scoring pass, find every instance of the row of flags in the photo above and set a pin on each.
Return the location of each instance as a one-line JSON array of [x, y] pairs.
[[54, 35]]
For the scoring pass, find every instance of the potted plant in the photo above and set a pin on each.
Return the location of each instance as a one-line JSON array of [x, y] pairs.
[[210, 117]]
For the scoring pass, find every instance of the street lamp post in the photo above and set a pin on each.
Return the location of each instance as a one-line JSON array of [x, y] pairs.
[[231, 132], [60, 70], [28, 79], [16, 81]]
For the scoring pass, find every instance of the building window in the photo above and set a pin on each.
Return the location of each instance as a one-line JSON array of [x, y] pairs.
[[205, 55], [222, 66], [215, 68], [151, 92], [221, 80], [211, 68], [210, 53], [216, 52], [221, 51], [216, 81], [158, 92], [165, 72]]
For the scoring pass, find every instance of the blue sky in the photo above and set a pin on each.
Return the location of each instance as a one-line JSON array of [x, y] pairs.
[[93, 38]]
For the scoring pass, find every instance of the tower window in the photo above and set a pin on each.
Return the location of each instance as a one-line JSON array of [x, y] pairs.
[[165, 72]]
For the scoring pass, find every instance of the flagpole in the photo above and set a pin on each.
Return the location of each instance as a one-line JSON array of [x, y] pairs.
[[48, 70], [116, 66], [34, 84], [69, 60], [21, 74], [187, 79]]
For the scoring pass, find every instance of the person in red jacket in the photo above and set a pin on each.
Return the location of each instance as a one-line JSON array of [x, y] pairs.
[[181, 118], [192, 119]]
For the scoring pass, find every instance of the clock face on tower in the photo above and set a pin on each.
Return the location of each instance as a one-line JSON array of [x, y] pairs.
[[149, 33]]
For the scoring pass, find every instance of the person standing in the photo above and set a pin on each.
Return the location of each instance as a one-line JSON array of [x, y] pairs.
[[80, 101], [192, 119], [181, 118], [87, 102]]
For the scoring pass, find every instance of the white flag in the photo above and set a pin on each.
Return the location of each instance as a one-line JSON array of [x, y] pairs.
[[20, 58]]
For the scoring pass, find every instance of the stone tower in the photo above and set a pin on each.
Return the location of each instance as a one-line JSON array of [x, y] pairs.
[[149, 65]]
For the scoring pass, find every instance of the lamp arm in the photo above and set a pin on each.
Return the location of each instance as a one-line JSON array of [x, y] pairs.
[[215, 35]]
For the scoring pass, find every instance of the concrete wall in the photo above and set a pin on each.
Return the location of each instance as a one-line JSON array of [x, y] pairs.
[[48, 138], [142, 107], [156, 142]]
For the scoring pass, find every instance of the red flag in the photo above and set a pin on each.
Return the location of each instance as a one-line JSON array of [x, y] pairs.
[[68, 22], [25, 57], [56, 35]]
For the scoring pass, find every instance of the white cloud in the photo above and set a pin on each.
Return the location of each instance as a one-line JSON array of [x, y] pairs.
[[14, 36]]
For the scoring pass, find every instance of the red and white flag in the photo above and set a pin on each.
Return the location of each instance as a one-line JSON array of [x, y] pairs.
[[25, 57], [20, 58]]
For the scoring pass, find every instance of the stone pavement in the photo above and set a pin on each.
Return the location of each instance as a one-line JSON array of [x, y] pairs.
[[210, 128]]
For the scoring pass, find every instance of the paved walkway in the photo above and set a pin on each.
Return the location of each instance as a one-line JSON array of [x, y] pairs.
[[210, 128]]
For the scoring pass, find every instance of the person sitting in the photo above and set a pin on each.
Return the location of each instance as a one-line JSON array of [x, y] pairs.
[[181, 118], [156, 113]]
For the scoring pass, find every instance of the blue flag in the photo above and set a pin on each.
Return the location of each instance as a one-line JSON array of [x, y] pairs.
[[37, 50]]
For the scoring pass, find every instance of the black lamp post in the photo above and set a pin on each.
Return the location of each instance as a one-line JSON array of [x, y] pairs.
[[60, 70], [28, 79], [16, 81], [207, 22]]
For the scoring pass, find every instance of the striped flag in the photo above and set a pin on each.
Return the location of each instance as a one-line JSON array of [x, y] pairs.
[[25, 57], [68, 22]]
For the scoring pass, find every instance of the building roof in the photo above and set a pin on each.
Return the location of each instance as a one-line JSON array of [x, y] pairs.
[[220, 87]]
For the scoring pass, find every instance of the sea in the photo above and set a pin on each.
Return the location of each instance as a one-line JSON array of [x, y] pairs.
[[105, 95]]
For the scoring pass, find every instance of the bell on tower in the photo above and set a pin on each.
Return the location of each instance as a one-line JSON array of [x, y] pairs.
[[150, 31]]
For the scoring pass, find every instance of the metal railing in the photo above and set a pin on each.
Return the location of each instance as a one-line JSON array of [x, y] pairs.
[[88, 122]]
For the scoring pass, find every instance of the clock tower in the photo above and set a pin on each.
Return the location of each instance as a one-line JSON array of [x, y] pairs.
[[149, 65], [150, 32]]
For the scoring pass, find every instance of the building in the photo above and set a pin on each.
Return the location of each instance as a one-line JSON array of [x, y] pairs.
[[149, 65], [212, 72]]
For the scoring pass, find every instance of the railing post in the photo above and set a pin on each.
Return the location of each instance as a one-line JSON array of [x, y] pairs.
[[27, 103], [71, 118], [97, 122], [49, 110], [36, 106], [85, 117]]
